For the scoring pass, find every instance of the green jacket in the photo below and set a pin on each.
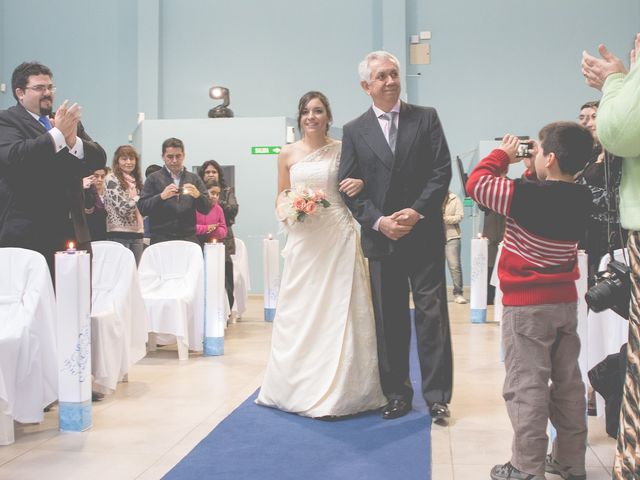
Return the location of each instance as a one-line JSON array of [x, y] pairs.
[[618, 127]]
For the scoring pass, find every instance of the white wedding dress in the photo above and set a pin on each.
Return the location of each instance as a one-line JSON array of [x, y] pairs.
[[323, 359]]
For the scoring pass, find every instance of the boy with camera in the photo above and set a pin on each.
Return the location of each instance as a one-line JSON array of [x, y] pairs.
[[547, 214]]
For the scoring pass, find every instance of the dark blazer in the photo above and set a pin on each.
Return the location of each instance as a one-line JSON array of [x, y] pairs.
[[176, 216], [41, 199], [416, 177]]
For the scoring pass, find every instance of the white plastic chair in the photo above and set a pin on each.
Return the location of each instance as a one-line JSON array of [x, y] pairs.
[[118, 316], [172, 284], [241, 279], [28, 363]]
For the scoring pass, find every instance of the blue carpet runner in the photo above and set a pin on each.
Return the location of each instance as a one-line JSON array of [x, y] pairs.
[[256, 442]]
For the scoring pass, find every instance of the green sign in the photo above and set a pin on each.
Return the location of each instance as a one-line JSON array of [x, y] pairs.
[[468, 202], [265, 150]]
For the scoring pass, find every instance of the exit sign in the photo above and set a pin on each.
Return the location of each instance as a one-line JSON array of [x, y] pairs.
[[265, 150]]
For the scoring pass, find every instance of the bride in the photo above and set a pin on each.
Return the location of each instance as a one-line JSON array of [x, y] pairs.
[[323, 351]]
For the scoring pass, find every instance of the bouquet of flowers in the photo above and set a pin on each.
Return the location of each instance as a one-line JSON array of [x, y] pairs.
[[295, 205]]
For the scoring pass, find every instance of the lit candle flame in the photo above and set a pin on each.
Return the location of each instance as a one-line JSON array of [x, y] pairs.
[[71, 246], [270, 237], [214, 241]]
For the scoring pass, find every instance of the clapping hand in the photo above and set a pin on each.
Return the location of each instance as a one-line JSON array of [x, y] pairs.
[[596, 70], [66, 120]]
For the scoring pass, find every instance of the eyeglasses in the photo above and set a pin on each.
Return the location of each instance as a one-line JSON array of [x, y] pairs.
[[42, 88]]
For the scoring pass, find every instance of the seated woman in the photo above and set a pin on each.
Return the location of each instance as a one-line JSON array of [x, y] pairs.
[[122, 190]]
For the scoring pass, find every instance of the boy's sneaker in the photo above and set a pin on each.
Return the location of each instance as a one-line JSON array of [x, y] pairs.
[[568, 473], [509, 472]]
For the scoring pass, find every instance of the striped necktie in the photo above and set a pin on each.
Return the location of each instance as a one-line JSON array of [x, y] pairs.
[[393, 129]]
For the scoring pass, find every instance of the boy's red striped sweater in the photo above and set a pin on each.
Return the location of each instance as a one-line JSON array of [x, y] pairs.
[[545, 221]]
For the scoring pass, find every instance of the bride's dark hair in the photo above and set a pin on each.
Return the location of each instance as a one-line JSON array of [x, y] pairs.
[[306, 98]]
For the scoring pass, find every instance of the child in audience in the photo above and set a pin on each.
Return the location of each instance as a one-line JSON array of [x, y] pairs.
[[211, 226], [547, 214]]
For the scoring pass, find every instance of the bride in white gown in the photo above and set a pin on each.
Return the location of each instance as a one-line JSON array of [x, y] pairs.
[[323, 359]]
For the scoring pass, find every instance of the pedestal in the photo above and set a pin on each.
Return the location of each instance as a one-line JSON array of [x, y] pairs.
[[478, 297], [214, 299], [271, 264], [73, 306]]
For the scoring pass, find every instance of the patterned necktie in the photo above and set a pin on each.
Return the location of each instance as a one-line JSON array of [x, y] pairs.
[[393, 129], [44, 120]]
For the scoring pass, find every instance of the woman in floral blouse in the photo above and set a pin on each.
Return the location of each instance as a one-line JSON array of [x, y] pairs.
[[122, 190]]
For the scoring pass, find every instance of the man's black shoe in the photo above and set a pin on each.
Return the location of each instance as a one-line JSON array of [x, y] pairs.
[[396, 409], [439, 412], [97, 396]]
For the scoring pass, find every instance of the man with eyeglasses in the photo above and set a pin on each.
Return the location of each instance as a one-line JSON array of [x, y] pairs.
[[43, 158]]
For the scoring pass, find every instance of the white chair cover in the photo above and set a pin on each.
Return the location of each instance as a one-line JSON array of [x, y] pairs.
[[607, 331], [28, 363], [172, 283], [241, 278], [118, 316]]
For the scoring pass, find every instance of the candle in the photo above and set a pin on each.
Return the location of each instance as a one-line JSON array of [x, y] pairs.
[[479, 262], [73, 306], [271, 268], [71, 248], [215, 318]]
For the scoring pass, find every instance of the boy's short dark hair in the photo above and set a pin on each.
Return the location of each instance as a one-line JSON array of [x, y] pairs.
[[172, 143], [153, 168], [571, 143]]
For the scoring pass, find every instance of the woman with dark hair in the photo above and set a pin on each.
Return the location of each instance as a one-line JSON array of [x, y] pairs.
[[122, 190], [210, 170], [323, 360]]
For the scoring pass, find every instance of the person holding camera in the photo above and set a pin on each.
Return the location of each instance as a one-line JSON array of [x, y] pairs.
[[618, 129], [602, 176], [547, 214], [171, 196]]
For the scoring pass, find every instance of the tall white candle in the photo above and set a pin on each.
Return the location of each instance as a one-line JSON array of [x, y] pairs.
[[478, 297], [271, 264], [214, 301], [73, 306]]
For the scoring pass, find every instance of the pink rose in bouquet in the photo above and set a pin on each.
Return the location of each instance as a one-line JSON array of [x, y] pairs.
[[309, 208], [296, 205], [299, 204]]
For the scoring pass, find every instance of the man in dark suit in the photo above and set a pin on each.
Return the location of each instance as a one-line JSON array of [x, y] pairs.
[[400, 152], [42, 163]]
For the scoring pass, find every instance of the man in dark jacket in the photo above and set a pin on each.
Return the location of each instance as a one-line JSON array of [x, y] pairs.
[[43, 158], [171, 196]]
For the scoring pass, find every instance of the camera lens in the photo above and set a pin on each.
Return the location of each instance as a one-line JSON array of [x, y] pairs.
[[600, 296]]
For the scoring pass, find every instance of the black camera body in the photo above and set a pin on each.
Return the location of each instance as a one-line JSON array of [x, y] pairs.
[[612, 290]]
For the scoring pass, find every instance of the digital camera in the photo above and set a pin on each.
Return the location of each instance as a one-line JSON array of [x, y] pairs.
[[524, 150], [612, 290]]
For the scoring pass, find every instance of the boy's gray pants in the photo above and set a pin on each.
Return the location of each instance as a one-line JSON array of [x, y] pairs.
[[541, 344]]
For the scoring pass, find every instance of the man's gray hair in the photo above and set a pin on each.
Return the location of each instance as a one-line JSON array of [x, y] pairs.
[[364, 70]]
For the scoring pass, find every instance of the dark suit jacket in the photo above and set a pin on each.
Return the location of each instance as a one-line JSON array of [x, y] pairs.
[[41, 200], [416, 177], [176, 216]]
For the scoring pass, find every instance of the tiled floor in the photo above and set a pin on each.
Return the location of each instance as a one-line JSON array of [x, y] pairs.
[[168, 406]]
